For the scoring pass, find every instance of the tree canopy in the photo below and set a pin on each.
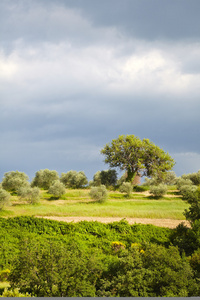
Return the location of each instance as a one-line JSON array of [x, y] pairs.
[[45, 178], [14, 180], [137, 156]]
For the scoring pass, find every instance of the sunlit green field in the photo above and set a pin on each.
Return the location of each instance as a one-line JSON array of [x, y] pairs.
[[78, 203]]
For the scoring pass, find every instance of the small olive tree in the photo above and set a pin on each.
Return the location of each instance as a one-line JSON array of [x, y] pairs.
[[99, 193], [169, 178], [57, 189], [182, 181], [126, 188], [188, 191], [32, 195], [4, 198], [194, 177], [158, 190]]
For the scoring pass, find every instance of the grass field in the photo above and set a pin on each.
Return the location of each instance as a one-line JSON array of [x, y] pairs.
[[77, 203]]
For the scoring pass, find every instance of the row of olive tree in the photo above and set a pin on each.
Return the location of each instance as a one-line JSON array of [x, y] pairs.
[[137, 157]]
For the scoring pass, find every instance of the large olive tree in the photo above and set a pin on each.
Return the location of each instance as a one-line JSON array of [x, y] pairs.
[[137, 157], [44, 178], [14, 180], [74, 179]]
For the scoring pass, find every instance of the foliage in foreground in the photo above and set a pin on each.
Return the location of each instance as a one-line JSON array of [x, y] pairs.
[[50, 258], [52, 269], [14, 293]]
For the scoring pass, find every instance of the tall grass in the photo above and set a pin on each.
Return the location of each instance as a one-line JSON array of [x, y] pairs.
[[125, 208]]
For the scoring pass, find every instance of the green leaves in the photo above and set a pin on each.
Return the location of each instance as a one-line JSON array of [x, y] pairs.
[[13, 180], [74, 179], [57, 189], [44, 178], [137, 156]]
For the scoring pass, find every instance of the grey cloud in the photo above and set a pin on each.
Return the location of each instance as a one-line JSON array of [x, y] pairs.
[[152, 19], [74, 21], [78, 77]]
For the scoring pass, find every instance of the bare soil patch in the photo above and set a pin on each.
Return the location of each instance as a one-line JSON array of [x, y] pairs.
[[157, 222]]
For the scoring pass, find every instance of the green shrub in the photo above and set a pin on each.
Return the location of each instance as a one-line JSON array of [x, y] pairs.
[[194, 261], [4, 198], [151, 181], [4, 274], [108, 177], [188, 191], [158, 190], [193, 212], [181, 181], [116, 246], [169, 178], [14, 293], [194, 177], [99, 193], [127, 188], [50, 269], [32, 195], [57, 189]]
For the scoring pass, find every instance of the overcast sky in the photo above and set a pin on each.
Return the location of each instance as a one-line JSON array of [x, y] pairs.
[[75, 74]]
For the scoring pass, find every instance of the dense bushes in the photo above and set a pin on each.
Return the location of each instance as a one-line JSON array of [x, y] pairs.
[[106, 177], [151, 272], [90, 259], [46, 268], [57, 189]]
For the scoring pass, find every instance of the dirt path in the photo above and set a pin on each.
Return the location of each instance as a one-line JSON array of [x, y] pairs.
[[157, 222]]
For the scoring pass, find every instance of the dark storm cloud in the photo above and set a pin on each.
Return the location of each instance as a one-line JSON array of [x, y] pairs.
[[145, 19], [39, 21], [77, 74]]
